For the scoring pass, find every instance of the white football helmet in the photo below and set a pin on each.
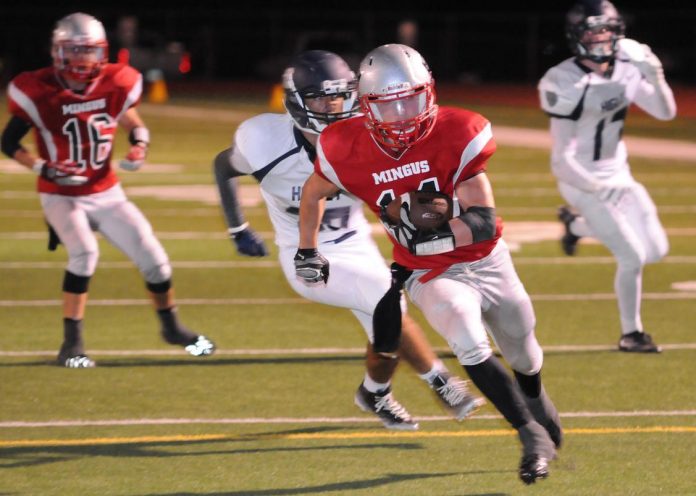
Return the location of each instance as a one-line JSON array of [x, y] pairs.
[[79, 47], [397, 95]]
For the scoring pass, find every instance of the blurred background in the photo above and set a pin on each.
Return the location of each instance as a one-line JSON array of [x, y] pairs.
[[464, 42]]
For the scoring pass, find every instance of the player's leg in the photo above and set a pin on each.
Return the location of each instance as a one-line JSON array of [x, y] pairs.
[[71, 224], [510, 318], [641, 213], [124, 226], [611, 225], [453, 308]]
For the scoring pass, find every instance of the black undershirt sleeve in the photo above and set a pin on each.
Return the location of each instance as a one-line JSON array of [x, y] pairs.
[[12, 135]]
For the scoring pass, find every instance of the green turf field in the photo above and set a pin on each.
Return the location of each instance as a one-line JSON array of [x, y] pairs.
[[272, 413]]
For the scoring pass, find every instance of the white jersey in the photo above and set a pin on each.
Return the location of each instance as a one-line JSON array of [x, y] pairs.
[[598, 106], [270, 148]]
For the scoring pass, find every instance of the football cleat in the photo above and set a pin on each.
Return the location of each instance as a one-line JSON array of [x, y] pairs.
[[76, 362], [569, 241], [194, 344], [537, 451], [390, 412], [545, 413], [638, 342], [202, 346], [454, 394]]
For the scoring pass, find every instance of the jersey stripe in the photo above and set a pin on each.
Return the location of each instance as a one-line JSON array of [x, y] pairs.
[[473, 149], [132, 98], [326, 169], [30, 108], [261, 173]]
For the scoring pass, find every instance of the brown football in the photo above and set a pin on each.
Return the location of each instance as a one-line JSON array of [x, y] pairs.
[[429, 210]]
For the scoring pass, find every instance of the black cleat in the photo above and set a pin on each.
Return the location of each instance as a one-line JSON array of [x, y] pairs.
[[384, 405], [638, 342], [537, 451], [569, 241], [72, 356], [194, 344], [533, 467]]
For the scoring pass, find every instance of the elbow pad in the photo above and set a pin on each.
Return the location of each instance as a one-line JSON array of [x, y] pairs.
[[481, 221]]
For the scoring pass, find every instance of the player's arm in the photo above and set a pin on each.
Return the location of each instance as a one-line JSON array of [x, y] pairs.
[[226, 173], [477, 221], [564, 163], [138, 137], [64, 174], [311, 267]]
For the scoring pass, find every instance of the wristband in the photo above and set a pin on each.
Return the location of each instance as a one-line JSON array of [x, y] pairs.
[[139, 135], [38, 165], [238, 229]]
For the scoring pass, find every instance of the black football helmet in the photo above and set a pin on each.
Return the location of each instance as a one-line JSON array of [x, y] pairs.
[[315, 74], [594, 16]]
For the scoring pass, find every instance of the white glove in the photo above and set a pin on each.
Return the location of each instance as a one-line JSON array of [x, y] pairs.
[[643, 58], [611, 191]]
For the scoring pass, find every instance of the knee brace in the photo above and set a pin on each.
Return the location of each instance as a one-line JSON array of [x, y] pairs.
[[159, 287], [75, 284]]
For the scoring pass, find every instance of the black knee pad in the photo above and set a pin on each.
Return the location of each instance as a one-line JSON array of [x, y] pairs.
[[75, 284], [159, 287]]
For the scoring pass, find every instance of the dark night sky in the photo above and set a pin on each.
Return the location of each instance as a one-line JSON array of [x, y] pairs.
[[486, 41]]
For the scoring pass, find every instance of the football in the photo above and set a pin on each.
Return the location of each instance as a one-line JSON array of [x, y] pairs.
[[429, 209]]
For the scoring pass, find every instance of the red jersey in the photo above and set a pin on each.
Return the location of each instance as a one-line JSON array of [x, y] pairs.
[[456, 149], [76, 127]]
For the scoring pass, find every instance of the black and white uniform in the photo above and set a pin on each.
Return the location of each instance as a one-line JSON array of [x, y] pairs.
[[270, 148], [589, 160]]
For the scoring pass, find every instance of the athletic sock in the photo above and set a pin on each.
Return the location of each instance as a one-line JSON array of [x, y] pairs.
[[529, 384], [373, 386], [437, 369], [495, 383]]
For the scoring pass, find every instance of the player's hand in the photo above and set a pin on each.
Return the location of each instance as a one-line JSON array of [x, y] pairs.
[[311, 268], [404, 231], [643, 58], [249, 243], [135, 158], [612, 191], [63, 173]]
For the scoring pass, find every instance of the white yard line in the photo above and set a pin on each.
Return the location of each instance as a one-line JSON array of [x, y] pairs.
[[12, 424], [282, 352], [266, 264]]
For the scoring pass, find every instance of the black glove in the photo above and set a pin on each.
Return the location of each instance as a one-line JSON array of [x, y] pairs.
[[419, 242], [311, 268], [249, 243]]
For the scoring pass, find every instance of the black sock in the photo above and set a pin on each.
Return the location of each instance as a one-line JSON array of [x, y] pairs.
[[72, 332], [174, 332], [529, 384], [495, 383]]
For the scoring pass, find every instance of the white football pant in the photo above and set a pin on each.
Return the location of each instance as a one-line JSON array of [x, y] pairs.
[[472, 297], [629, 227], [74, 218]]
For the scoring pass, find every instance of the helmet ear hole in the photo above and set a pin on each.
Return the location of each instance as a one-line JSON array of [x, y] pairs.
[[317, 74]]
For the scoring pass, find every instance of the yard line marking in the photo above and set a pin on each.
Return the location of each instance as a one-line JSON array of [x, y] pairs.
[[684, 295], [358, 352], [265, 264], [22, 443]]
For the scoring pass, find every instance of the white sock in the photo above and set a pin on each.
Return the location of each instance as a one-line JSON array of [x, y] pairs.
[[438, 368], [374, 386]]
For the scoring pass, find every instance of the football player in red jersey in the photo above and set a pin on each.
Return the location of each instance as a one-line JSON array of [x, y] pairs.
[[75, 106], [461, 275]]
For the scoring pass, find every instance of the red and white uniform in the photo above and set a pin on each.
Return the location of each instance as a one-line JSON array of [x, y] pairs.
[[75, 127], [461, 290], [80, 128]]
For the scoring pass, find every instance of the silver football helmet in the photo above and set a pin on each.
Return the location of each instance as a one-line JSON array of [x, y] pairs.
[[79, 47], [397, 95]]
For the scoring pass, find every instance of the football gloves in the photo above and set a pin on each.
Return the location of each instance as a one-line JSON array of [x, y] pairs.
[[249, 243], [135, 158], [643, 58], [419, 242], [61, 173], [311, 268]]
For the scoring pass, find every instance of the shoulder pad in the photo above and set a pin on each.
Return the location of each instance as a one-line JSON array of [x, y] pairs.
[[263, 138], [562, 89]]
